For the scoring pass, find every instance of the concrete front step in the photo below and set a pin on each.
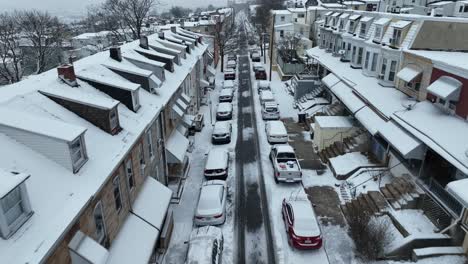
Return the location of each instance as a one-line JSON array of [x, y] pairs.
[[427, 252]]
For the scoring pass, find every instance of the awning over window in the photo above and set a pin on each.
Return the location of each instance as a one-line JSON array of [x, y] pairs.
[[176, 147], [330, 80], [152, 202], [211, 71], [346, 95], [85, 248], [134, 242], [408, 146], [446, 87], [179, 112], [409, 73], [182, 105]]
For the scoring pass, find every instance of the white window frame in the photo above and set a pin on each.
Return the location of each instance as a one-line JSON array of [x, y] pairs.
[[366, 60], [375, 59], [392, 71], [100, 238], [363, 27], [360, 53], [378, 33], [149, 139], [396, 36], [79, 151], [116, 184], [113, 119], [130, 174]]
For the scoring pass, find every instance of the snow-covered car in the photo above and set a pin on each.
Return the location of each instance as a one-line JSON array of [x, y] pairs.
[[276, 132], [226, 95], [229, 84], [231, 64], [224, 111], [301, 224], [255, 56], [267, 96], [229, 74], [286, 167], [205, 245], [211, 208], [221, 132], [217, 164], [270, 111], [232, 57], [260, 74], [256, 66], [263, 86]]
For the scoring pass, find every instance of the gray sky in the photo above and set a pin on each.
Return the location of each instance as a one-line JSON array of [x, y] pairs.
[[70, 7]]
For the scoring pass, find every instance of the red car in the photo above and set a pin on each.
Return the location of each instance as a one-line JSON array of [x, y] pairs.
[[301, 224], [229, 74], [260, 74]]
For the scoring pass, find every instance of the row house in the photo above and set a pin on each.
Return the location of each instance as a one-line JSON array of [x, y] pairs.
[[85, 154], [403, 79]]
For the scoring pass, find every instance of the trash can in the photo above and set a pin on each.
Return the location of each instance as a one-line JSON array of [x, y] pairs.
[[301, 116]]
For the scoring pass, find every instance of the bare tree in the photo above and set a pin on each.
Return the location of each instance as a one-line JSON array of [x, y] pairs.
[[10, 54], [43, 33], [131, 12], [288, 45], [100, 19], [224, 34]]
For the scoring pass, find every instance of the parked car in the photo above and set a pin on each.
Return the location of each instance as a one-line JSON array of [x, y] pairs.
[[267, 96], [231, 64], [301, 224], [255, 56], [276, 132], [217, 164], [229, 84], [229, 74], [205, 245], [226, 95], [232, 57], [263, 86], [224, 111], [261, 74], [211, 208], [270, 111], [256, 66], [221, 132], [286, 167]]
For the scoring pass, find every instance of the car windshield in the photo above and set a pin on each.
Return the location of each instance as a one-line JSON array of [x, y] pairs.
[[286, 155]]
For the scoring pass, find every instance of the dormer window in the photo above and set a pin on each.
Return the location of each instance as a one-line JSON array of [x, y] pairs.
[[114, 121], [77, 152], [363, 30], [396, 38], [15, 208], [351, 26], [135, 99], [378, 34]]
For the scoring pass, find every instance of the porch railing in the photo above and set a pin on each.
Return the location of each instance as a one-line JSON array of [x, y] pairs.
[[289, 68], [447, 201]]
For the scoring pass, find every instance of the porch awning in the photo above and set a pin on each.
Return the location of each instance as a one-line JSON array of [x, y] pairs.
[[179, 112], [185, 98], [210, 71], [88, 249], [458, 190], [408, 146], [346, 95], [409, 73], [176, 147], [446, 87], [370, 120], [204, 83], [330, 80], [134, 242], [153, 202], [182, 105]]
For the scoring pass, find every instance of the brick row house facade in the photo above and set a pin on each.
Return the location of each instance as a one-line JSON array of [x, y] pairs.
[[404, 80], [86, 149]]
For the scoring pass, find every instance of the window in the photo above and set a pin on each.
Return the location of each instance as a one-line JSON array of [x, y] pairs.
[[378, 33], [113, 119], [351, 26], [441, 101], [301, 15], [100, 233], [341, 24], [391, 74], [396, 37], [363, 30], [366, 63], [383, 69], [465, 9], [141, 154], [375, 58], [282, 33], [117, 198], [12, 206], [460, 10], [77, 153], [354, 53], [359, 57], [149, 140], [282, 18], [129, 172]]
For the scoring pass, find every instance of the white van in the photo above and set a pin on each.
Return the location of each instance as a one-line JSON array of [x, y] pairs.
[[217, 164], [224, 111], [266, 96], [270, 111], [263, 85], [276, 132]]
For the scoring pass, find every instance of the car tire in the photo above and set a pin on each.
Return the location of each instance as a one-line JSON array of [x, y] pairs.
[[276, 179]]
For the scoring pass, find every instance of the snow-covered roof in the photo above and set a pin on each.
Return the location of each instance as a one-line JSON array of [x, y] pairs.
[[441, 3], [336, 14], [409, 73], [459, 190], [152, 202], [334, 121], [330, 80], [353, 3], [277, 127], [281, 12], [131, 54], [57, 195], [126, 66], [155, 53], [101, 74], [382, 21], [366, 19], [81, 97], [216, 158], [88, 248], [10, 180], [445, 60], [125, 249], [354, 17], [346, 95], [446, 87], [177, 146], [39, 125], [344, 16], [332, 5], [89, 35], [284, 25], [401, 24], [407, 145]]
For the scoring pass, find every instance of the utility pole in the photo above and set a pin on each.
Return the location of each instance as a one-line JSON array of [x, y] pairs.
[[264, 48], [272, 43]]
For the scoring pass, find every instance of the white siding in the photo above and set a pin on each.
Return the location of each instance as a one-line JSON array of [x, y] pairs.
[[52, 148]]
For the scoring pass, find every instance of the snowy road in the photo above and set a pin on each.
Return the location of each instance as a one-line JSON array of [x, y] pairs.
[[253, 231]]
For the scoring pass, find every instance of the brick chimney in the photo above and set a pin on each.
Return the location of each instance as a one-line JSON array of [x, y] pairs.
[[144, 42], [174, 29], [115, 53], [66, 73], [161, 35]]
